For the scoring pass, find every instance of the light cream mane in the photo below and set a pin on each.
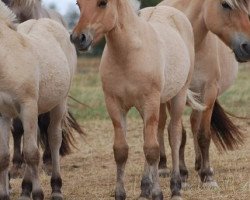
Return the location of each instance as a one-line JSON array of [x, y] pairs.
[[239, 4], [6, 14]]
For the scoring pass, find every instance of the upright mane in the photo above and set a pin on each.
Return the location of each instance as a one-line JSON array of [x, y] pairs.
[[6, 14], [239, 4], [24, 3]]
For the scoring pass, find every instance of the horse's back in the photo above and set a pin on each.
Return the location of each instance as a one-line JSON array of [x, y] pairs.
[[177, 44]]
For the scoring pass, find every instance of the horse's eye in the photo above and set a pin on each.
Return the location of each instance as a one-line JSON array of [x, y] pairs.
[[226, 5], [102, 3]]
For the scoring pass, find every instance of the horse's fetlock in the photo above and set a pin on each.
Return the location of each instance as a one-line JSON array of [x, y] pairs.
[[175, 185], [56, 184], [120, 153]]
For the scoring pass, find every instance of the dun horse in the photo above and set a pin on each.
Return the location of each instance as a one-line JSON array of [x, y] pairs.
[[35, 79], [215, 71], [147, 62], [25, 10]]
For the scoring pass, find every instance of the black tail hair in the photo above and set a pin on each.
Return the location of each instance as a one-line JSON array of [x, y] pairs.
[[225, 134]]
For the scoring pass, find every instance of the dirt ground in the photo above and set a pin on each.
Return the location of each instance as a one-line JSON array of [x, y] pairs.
[[89, 173]]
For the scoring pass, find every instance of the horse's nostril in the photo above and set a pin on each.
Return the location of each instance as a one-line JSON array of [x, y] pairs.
[[245, 47], [83, 38]]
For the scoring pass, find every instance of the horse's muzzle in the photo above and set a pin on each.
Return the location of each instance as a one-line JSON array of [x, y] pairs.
[[241, 48], [82, 42]]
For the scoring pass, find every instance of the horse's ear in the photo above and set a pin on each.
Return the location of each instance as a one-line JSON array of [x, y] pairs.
[[136, 4]]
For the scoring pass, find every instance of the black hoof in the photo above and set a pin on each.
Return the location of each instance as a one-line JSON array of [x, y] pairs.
[[157, 196], [120, 196], [56, 196], [146, 187], [4, 197], [38, 195]]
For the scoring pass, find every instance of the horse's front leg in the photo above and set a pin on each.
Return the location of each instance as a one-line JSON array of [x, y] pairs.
[[175, 139], [31, 182], [120, 147], [5, 124], [150, 187], [55, 140]]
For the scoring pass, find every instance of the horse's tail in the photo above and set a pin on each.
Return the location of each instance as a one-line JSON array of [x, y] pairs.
[[70, 126], [225, 134], [193, 100]]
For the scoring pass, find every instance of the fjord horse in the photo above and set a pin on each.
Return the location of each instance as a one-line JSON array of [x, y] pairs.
[[35, 78], [147, 62], [26, 10], [215, 71]]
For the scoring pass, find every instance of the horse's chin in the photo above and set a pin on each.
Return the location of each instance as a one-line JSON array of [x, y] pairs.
[[240, 59], [85, 48]]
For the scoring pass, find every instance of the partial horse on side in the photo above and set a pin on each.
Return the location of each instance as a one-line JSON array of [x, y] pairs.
[[222, 33], [26, 10], [29, 86]]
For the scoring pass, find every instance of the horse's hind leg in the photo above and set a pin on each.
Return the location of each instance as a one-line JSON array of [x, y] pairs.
[[55, 141], [175, 139], [5, 124], [163, 170], [150, 187], [31, 182], [183, 168], [17, 160], [120, 147], [200, 122]]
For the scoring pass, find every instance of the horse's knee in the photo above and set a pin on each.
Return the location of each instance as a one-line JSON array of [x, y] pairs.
[[152, 153], [120, 153], [31, 156], [4, 161]]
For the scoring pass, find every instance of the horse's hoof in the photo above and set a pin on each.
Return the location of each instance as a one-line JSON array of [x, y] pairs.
[[56, 196], [24, 198], [165, 172], [4, 197], [210, 185], [176, 198], [142, 198]]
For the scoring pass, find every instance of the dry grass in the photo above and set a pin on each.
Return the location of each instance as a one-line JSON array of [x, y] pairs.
[[89, 174]]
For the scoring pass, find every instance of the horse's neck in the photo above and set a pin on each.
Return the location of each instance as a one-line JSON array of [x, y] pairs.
[[193, 9], [125, 35]]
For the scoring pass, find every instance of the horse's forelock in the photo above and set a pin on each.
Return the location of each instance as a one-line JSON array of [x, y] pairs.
[[6, 14], [239, 4]]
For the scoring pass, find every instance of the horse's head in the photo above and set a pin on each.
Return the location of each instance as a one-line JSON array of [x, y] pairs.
[[97, 17], [229, 19]]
